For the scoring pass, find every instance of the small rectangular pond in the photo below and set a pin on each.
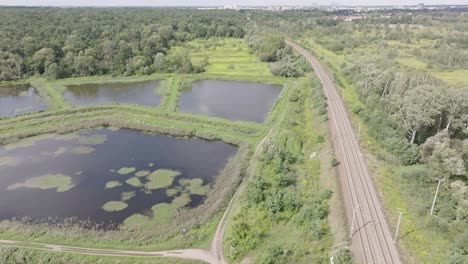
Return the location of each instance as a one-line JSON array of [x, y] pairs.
[[107, 176], [139, 92], [233, 100], [20, 99]]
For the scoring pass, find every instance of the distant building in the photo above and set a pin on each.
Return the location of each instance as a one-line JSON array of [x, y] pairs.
[[420, 6], [234, 7]]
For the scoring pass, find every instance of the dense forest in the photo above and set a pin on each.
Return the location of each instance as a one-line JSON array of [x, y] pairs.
[[59, 43]]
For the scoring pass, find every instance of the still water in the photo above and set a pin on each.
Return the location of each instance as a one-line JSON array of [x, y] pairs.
[[142, 93], [17, 100], [233, 100], [76, 175]]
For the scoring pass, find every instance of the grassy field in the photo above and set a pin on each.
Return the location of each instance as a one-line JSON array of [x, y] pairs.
[[457, 78], [227, 57]]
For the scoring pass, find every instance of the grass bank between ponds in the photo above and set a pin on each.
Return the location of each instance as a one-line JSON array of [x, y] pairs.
[[127, 116]]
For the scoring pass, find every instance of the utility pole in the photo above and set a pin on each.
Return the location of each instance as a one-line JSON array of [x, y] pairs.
[[354, 220], [435, 196], [397, 227]]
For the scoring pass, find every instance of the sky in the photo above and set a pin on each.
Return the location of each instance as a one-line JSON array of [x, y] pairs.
[[222, 2]]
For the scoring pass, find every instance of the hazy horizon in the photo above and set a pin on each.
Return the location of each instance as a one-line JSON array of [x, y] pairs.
[[156, 3]]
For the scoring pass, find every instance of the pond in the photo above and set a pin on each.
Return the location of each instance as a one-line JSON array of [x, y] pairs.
[[233, 100], [140, 92], [19, 99], [108, 177]]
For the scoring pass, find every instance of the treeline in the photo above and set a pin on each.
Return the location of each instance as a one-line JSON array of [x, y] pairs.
[[270, 47], [59, 43], [406, 108]]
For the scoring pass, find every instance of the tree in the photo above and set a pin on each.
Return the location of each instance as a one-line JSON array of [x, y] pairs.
[[443, 156], [159, 62], [42, 59], [180, 62], [136, 65], [10, 66], [419, 108], [84, 65]]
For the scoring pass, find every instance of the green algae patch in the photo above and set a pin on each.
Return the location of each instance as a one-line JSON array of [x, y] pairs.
[[8, 161], [162, 213], [161, 178], [58, 152], [60, 182], [126, 170], [113, 184], [114, 206], [93, 139], [142, 173], [196, 187], [134, 181], [82, 150], [125, 196]]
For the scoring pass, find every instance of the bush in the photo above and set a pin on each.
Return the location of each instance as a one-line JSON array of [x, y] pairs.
[[335, 162]]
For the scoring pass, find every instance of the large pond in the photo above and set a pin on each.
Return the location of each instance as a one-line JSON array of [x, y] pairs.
[[20, 99], [233, 100], [107, 176], [142, 93]]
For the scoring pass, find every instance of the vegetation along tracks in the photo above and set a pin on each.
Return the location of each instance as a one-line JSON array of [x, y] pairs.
[[363, 208]]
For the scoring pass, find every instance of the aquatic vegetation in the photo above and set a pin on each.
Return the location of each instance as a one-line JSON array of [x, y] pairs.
[[160, 213], [125, 196], [114, 206], [60, 182], [113, 184], [161, 178], [134, 181], [8, 161], [126, 170], [58, 152], [142, 173], [196, 187], [95, 139], [82, 150]]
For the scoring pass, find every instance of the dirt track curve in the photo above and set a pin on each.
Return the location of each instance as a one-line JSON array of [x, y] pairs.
[[371, 238]]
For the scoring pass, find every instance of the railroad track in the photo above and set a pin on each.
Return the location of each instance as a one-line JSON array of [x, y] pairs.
[[371, 238]]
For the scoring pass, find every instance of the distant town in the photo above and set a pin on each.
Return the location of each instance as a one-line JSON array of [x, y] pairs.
[[420, 6]]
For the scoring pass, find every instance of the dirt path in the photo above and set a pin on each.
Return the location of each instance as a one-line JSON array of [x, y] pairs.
[[371, 237]]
